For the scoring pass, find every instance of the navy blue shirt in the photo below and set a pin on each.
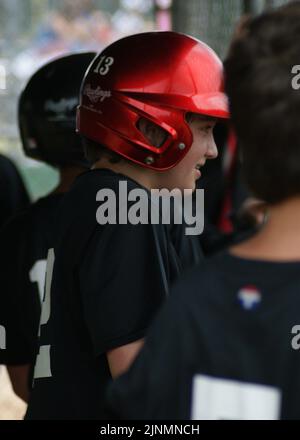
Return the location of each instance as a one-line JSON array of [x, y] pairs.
[[222, 347], [107, 284]]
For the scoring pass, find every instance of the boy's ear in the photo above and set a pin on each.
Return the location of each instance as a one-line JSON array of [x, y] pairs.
[[152, 132], [144, 126]]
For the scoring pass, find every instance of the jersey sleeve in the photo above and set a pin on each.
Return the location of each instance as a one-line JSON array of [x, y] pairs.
[[123, 281], [14, 198], [17, 307], [158, 385]]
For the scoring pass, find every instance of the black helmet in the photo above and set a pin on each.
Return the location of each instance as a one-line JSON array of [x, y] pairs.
[[47, 111]]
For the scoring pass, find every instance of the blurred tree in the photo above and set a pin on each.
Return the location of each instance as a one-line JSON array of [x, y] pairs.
[[107, 5], [25, 20], [2, 9], [12, 18], [253, 6], [275, 3], [17, 17], [212, 21], [110, 6], [38, 8]]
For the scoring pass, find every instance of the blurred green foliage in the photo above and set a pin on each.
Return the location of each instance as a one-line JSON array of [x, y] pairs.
[[39, 180]]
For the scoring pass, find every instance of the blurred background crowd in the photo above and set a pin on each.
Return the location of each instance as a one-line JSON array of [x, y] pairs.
[[34, 31]]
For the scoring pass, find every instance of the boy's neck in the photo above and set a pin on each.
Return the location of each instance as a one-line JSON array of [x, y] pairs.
[[279, 238], [145, 177], [67, 176]]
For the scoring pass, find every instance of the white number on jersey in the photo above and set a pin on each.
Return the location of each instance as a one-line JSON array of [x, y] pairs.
[[43, 366], [37, 275], [223, 399]]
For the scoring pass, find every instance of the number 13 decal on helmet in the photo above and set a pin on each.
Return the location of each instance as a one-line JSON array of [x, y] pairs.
[[104, 65]]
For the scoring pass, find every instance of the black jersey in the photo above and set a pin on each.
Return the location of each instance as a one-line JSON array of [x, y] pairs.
[[13, 195], [224, 346], [108, 281], [24, 244]]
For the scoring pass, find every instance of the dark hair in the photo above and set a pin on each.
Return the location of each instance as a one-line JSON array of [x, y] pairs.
[[264, 106], [94, 151]]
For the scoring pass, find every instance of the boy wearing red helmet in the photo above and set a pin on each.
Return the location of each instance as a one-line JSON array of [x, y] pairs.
[[147, 110]]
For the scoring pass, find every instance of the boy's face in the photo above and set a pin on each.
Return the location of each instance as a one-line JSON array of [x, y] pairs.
[[185, 174]]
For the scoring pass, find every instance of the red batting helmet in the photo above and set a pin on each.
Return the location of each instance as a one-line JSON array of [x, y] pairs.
[[159, 76]]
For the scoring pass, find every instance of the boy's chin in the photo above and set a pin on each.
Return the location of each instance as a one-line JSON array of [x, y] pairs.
[[191, 187]]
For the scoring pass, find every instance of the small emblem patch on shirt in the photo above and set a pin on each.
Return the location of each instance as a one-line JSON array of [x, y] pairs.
[[249, 297]]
